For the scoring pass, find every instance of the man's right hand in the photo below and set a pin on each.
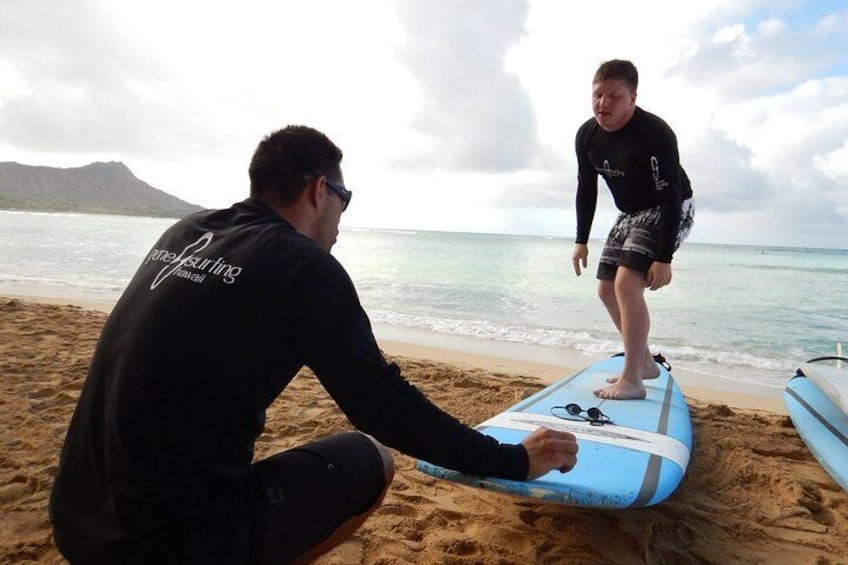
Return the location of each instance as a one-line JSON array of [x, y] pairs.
[[580, 256], [548, 450]]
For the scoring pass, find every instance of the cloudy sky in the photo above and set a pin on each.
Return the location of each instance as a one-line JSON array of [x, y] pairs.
[[454, 115]]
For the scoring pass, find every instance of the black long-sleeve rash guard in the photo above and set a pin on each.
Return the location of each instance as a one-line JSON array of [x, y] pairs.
[[641, 166], [219, 318]]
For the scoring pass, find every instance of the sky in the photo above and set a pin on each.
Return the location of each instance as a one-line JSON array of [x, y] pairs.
[[453, 115]]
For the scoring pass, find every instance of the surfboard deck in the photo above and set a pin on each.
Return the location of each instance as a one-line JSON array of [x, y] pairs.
[[819, 420], [636, 460]]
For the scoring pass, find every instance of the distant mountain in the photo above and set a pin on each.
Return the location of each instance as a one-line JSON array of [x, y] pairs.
[[99, 188]]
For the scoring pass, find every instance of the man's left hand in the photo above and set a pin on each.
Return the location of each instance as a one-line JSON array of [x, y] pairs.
[[659, 275]]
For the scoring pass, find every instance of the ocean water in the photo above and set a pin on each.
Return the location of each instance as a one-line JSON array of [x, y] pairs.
[[749, 314]]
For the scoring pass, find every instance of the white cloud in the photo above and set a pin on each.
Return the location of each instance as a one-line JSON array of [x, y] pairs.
[[474, 116], [729, 33], [834, 164]]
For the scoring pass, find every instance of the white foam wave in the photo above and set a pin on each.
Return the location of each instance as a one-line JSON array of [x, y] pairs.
[[110, 289], [735, 365]]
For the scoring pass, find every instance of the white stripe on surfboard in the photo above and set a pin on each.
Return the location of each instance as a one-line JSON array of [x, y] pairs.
[[628, 438]]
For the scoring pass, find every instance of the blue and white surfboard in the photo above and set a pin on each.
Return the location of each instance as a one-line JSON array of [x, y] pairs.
[[637, 459], [817, 401]]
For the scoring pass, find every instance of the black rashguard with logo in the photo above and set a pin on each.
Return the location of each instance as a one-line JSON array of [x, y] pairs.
[[220, 316], [641, 166]]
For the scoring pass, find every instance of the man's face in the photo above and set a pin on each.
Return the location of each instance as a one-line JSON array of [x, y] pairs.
[[613, 104], [328, 225]]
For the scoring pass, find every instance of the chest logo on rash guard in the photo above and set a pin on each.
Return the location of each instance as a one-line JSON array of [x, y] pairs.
[[190, 266], [609, 172]]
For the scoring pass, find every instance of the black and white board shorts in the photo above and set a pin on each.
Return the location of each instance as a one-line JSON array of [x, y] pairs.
[[633, 240]]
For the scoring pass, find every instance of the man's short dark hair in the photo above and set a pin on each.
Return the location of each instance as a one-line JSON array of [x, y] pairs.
[[618, 69], [286, 160]]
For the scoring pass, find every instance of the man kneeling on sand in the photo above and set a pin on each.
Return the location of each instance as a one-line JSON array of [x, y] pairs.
[[157, 466]]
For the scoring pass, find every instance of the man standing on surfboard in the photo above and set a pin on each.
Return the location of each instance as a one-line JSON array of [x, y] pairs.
[[223, 312], [636, 153]]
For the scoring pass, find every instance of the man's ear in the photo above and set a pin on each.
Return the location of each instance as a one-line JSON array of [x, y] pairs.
[[313, 193]]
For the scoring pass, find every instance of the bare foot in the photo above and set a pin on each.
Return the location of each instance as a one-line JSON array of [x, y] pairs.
[[622, 390], [649, 372]]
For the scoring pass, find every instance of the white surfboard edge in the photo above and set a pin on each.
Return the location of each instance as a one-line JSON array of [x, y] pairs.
[[832, 381]]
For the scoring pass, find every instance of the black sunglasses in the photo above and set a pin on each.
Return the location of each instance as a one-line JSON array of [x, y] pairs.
[[340, 189], [593, 415]]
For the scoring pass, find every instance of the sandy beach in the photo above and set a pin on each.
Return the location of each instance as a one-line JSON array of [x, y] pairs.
[[753, 493]]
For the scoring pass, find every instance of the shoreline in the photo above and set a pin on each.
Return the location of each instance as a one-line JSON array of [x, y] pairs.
[[547, 364]]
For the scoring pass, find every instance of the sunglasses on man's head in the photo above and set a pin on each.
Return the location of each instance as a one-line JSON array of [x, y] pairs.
[[340, 189]]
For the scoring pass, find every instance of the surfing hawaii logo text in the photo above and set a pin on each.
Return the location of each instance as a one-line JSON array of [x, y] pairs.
[[190, 266], [608, 172]]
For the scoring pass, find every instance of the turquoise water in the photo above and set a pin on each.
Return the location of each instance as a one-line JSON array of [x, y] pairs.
[[745, 313]]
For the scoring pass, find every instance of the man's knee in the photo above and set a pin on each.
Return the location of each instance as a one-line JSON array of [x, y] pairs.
[[628, 281], [388, 461], [606, 291]]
